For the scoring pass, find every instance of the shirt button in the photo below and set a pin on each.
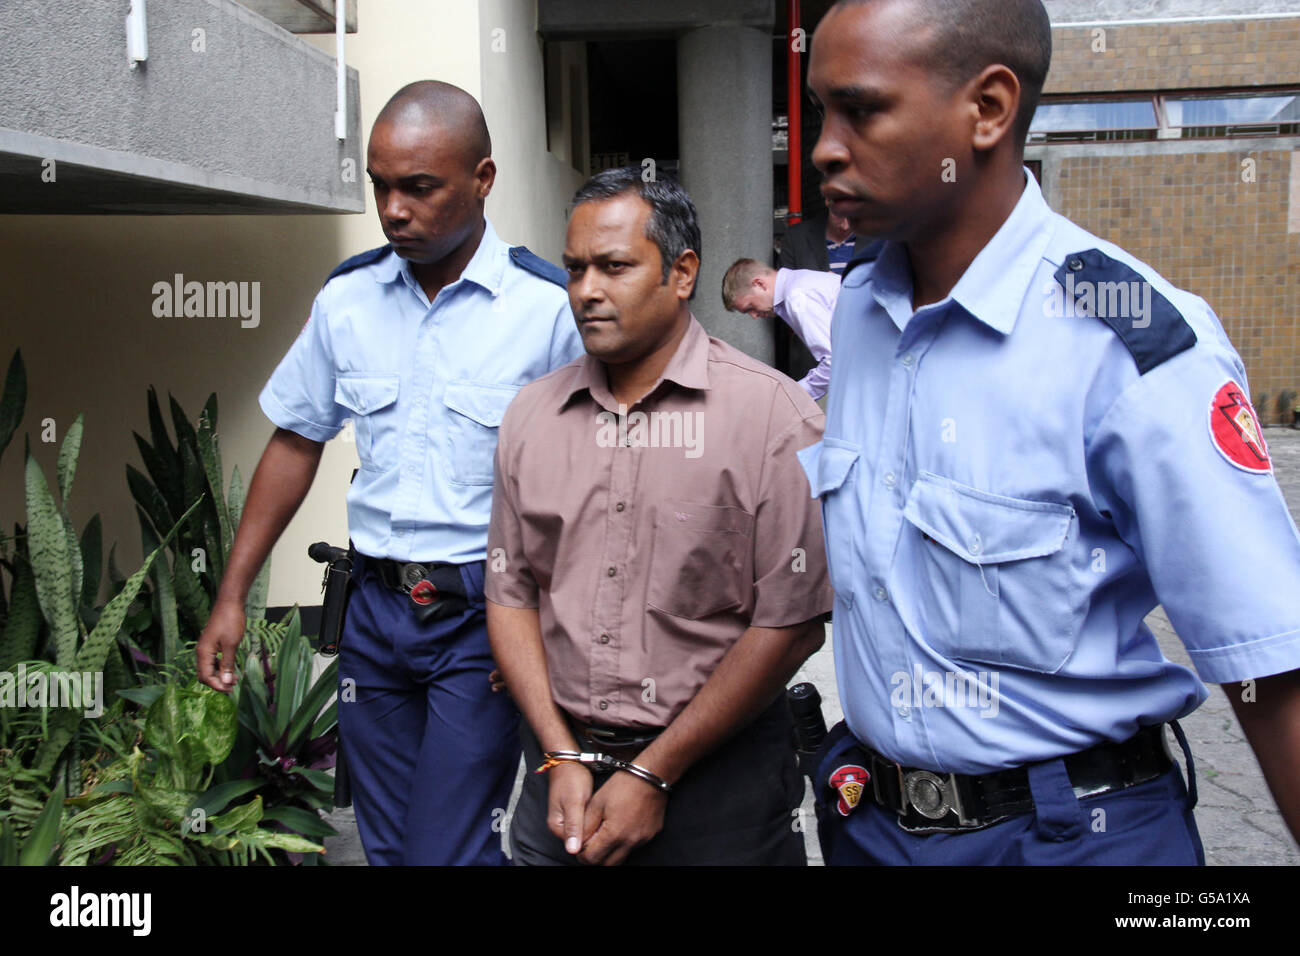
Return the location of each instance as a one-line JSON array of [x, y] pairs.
[[976, 546], [604, 705], [620, 506], [611, 572], [890, 480], [904, 711], [604, 638], [909, 360], [1075, 264], [882, 594]]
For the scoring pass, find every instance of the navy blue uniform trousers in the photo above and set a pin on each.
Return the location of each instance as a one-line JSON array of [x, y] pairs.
[[1150, 824], [432, 750]]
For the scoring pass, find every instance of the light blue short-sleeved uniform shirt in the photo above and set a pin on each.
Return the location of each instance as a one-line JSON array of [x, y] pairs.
[[425, 385], [1014, 477]]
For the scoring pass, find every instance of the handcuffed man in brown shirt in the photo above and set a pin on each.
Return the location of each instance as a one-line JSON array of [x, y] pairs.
[[655, 570]]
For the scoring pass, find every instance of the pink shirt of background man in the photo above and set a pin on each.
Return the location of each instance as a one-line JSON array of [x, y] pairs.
[[805, 301]]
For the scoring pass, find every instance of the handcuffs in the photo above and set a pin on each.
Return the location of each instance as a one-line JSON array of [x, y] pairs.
[[603, 763]]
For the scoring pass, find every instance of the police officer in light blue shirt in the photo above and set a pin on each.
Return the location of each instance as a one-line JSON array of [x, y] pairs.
[[421, 344], [1032, 439]]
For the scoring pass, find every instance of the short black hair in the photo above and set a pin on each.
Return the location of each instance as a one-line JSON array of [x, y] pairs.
[[970, 35], [673, 226], [435, 103]]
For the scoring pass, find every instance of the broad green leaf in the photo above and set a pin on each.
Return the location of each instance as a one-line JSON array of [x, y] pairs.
[[76, 572], [149, 499], [162, 442], [69, 451], [39, 848], [144, 696], [241, 819], [165, 473], [326, 722], [191, 599], [23, 627], [95, 648], [305, 717], [13, 399], [235, 499], [47, 543], [292, 672], [210, 457], [288, 842], [190, 726], [318, 778], [217, 798], [161, 575], [92, 556], [173, 805], [61, 726], [299, 820]]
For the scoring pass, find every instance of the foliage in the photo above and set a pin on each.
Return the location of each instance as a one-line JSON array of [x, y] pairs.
[[165, 747]]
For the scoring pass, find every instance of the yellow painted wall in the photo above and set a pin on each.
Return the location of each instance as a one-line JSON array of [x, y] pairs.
[[76, 292]]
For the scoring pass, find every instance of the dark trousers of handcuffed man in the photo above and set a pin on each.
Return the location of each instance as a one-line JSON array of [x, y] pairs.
[[432, 751], [738, 806]]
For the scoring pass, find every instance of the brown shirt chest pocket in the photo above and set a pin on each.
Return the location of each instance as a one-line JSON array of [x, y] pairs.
[[702, 562]]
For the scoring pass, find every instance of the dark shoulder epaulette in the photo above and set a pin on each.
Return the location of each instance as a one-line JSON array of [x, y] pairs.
[[864, 254], [538, 266], [1096, 282], [359, 260]]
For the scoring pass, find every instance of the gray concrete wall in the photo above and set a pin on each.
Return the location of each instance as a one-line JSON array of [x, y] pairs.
[[226, 101], [724, 94]]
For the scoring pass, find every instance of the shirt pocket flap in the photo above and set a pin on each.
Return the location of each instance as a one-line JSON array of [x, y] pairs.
[[366, 394], [485, 404], [827, 464], [689, 516], [984, 528]]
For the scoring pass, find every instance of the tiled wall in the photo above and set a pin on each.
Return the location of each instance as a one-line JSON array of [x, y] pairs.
[[1176, 56], [1194, 219], [1189, 213]]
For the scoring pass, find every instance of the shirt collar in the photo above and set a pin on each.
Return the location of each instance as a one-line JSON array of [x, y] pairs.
[[780, 287], [688, 368], [995, 284], [485, 268]]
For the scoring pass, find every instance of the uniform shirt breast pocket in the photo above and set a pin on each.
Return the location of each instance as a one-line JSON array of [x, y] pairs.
[[477, 409], [995, 583], [702, 560], [371, 397], [832, 467]]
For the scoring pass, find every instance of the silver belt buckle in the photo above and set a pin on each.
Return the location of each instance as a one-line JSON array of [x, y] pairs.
[[412, 574], [934, 797]]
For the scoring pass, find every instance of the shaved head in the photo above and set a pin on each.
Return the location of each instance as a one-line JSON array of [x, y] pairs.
[[456, 114], [965, 36]]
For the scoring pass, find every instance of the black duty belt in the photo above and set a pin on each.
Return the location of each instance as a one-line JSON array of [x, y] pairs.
[[436, 590], [926, 801], [405, 576]]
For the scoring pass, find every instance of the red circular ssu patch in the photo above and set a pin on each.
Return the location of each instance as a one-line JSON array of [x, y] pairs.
[[850, 780], [1236, 430]]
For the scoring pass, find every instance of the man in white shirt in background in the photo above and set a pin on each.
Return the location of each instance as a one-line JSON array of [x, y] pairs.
[[803, 298]]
